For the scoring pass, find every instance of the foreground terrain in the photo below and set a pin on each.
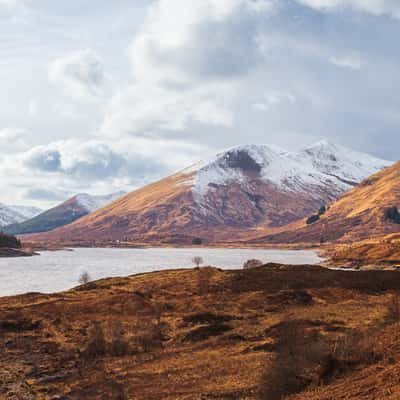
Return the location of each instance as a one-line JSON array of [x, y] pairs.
[[265, 333]]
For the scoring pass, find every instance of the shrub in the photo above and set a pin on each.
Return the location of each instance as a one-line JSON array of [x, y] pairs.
[[97, 345], [322, 210], [197, 241], [393, 309], [252, 264], [118, 346], [304, 359], [151, 336], [311, 220], [203, 280], [9, 241], [84, 278], [296, 355]]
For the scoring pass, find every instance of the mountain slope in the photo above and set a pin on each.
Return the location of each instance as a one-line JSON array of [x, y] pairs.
[[368, 211], [244, 191], [65, 213], [15, 214]]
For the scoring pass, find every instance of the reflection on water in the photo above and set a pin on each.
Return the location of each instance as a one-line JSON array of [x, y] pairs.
[[56, 271]]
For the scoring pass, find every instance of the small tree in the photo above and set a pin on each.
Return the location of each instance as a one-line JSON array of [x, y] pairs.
[[84, 278], [197, 261]]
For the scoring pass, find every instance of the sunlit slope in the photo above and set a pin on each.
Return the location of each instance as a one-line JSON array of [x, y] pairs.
[[360, 214]]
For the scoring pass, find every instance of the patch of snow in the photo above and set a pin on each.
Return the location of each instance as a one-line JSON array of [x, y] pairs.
[[9, 216], [26, 211], [92, 203]]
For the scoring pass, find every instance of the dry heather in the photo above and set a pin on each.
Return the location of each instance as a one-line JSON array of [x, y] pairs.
[[263, 333]]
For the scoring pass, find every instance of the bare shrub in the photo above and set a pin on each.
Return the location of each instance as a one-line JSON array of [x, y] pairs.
[[203, 280], [197, 261], [302, 360], [118, 346], [97, 345], [393, 309], [151, 335], [253, 263], [84, 278], [296, 357], [118, 391]]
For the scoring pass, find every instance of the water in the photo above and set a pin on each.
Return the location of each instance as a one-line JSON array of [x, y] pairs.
[[56, 271]]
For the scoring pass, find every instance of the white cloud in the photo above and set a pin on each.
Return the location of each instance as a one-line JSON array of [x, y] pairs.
[[274, 98], [350, 62], [375, 7], [95, 161], [80, 74], [186, 63], [12, 139], [33, 108], [8, 3]]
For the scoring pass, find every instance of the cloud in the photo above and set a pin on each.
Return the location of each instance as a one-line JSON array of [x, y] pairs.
[[186, 62], [185, 41], [12, 134], [12, 139], [93, 161], [8, 3], [43, 159], [41, 194], [375, 7], [274, 98], [350, 62], [80, 74]]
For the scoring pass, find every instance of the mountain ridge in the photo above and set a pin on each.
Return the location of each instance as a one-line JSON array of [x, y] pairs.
[[16, 214], [241, 192], [68, 211]]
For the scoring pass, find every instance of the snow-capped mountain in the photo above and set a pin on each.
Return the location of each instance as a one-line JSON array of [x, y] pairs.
[[63, 214], [15, 214], [322, 167], [244, 191]]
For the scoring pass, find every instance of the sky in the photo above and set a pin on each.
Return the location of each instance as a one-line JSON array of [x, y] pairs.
[[102, 96]]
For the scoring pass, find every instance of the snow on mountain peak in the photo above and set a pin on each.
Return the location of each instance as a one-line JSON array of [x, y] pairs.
[[322, 164], [15, 214]]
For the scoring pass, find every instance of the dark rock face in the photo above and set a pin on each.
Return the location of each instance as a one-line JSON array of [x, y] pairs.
[[241, 160], [391, 214]]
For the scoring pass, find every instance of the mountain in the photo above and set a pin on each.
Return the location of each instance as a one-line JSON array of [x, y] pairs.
[[366, 212], [15, 214], [65, 213], [246, 190]]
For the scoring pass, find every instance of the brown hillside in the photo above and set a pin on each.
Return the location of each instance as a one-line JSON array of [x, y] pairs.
[[359, 214], [385, 250], [165, 212], [206, 334]]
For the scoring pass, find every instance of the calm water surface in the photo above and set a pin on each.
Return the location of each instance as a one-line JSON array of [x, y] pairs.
[[56, 271]]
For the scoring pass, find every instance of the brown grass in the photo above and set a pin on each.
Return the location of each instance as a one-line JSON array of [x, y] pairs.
[[160, 339]]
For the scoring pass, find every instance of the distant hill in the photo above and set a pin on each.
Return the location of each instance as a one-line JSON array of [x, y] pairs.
[[15, 214], [242, 192], [63, 214]]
